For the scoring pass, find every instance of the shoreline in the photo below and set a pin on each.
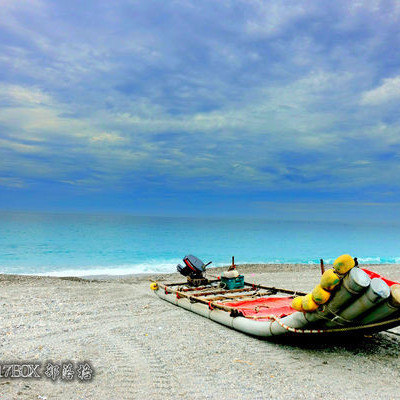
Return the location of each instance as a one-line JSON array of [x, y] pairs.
[[130, 271], [242, 268]]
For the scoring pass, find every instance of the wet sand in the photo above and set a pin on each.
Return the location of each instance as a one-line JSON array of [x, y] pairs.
[[142, 347]]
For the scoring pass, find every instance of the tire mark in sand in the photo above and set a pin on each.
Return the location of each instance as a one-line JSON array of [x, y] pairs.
[[134, 371]]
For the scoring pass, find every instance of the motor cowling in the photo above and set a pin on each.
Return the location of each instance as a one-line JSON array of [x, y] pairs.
[[193, 267]]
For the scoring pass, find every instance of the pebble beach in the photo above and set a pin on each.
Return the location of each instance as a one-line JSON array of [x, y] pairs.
[[142, 347]]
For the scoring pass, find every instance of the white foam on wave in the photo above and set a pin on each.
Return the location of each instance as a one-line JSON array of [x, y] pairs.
[[165, 267], [113, 270], [370, 260], [110, 270], [129, 269]]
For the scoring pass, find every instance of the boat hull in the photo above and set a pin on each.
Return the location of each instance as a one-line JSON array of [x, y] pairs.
[[294, 324]]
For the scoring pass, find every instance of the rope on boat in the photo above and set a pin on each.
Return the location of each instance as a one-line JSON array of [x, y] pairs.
[[307, 331], [393, 333]]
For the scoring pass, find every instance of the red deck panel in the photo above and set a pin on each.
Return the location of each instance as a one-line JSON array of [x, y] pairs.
[[261, 307]]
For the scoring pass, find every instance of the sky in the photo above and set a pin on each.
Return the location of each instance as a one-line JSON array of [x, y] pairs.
[[286, 109]]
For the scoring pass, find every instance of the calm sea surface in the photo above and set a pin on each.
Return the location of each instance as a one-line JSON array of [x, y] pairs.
[[67, 244]]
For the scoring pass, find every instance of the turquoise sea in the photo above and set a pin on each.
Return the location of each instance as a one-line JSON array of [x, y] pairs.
[[76, 244]]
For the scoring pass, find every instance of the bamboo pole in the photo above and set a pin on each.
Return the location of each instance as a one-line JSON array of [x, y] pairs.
[[196, 299], [194, 287], [276, 290], [223, 291], [236, 297]]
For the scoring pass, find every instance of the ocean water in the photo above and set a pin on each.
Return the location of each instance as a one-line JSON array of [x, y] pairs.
[[78, 245]]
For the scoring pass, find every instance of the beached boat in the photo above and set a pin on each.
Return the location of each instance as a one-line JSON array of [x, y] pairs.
[[348, 300]]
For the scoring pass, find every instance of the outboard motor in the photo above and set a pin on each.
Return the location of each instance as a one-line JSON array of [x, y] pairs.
[[193, 269]]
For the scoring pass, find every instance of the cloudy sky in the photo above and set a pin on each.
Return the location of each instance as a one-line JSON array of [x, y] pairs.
[[185, 107]]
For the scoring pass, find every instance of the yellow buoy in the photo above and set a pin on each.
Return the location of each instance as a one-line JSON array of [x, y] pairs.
[[308, 303], [296, 303], [154, 286], [395, 295], [319, 295], [329, 280], [343, 264]]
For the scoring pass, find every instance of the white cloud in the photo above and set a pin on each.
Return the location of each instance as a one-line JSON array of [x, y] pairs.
[[23, 96], [107, 137], [20, 147], [388, 91], [13, 13], [31, 114], [12, 182], [272, 17]]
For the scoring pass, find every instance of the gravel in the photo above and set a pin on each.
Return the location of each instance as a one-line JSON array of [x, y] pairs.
[[142, 347]]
